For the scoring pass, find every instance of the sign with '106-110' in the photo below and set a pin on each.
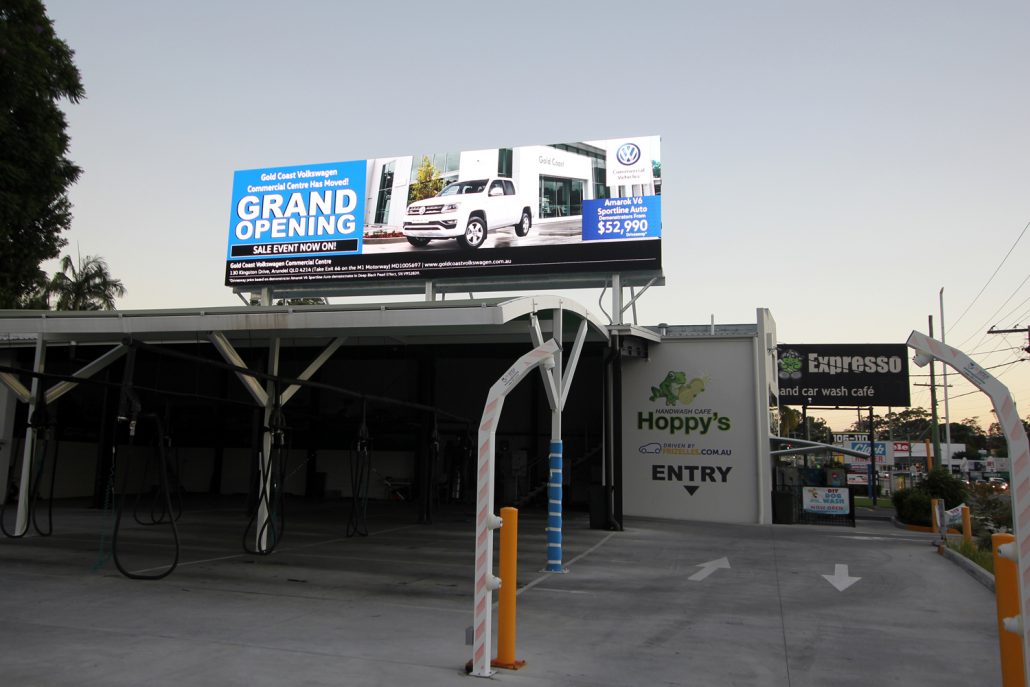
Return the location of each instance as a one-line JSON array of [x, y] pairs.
[[582, 207], [843, 374]]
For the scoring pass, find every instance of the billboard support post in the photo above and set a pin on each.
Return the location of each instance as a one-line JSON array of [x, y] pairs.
[[616, 299]]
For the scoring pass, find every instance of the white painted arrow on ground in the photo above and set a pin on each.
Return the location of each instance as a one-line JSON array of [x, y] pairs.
[[708, 568], [840, 578]]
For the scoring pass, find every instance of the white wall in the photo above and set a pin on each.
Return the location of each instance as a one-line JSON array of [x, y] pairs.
[[477, 164], [719, 454]]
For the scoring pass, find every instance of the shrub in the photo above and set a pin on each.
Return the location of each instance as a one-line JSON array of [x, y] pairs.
[[912, 505], [941, 484]]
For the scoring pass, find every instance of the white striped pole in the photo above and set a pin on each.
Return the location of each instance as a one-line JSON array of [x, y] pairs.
[[486, 521], [1019, 457]]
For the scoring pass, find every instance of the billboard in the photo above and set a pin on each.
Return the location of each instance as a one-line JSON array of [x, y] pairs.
[[843, 374], [583, 207]]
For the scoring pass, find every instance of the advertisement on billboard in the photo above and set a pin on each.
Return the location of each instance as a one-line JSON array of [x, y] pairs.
[[584, 207], [843, 374], [689, 433]]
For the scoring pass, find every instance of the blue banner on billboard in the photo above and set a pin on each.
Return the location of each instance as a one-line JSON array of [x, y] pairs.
[[298, 211], [636, 217]]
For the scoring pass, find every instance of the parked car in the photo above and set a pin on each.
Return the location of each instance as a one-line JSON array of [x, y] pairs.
[[466, 211]]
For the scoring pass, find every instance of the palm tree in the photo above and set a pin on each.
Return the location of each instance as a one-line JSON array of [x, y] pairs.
[[86, 286]]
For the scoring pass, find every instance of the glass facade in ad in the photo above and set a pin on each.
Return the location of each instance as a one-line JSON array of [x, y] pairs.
[[560, 197], [385, 193], [445, 163], [597, 164]]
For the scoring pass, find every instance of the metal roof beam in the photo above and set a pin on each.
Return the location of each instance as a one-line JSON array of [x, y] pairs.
[[311, 369], [223, 346], [570, 365], [15, 385], [538, 341], [61, 388]]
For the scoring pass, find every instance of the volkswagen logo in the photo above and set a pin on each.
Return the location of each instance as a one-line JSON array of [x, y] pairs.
[[628, 154]]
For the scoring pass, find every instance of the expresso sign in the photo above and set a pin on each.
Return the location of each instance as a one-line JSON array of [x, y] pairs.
[[843, 374]]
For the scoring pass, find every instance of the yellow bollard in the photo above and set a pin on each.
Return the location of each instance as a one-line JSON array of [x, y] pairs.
[[506, 594], [933, 516], [1006, 595], [967, 526]]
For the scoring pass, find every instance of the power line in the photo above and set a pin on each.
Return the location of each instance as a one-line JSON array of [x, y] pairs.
[[992, 367], [1011, 296], [989, 280]]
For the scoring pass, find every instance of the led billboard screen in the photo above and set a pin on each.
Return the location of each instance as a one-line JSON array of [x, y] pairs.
[[585, 207]]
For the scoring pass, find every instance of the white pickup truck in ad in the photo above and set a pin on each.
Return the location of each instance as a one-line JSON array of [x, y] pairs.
[[466, 210]]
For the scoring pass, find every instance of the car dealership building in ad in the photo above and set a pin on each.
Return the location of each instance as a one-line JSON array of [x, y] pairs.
[[558, 177]]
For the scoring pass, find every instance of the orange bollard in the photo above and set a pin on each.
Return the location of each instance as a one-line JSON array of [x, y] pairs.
[[1006, 595], [506, 594], [967, 526]]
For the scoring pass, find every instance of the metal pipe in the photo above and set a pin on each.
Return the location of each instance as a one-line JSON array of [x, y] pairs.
[[506, 595]]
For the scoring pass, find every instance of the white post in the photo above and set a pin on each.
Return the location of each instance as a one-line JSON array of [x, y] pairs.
[[265, 459], [21, 525], [486, 520], [616, 299]]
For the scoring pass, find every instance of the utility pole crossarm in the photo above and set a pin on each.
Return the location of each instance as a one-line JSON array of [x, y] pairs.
[[992, 330]]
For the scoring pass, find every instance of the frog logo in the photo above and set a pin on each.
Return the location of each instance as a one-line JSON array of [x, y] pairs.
[[790, 365], [675, 388]]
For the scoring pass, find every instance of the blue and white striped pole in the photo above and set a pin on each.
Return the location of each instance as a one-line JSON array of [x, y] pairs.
[[554, 516]]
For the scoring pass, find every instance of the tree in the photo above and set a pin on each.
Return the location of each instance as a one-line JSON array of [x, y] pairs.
[[87, 286], [789, 420], [428, 181], [909, 424], [37, 72], [307, 300], [792, 425], [996, 441]]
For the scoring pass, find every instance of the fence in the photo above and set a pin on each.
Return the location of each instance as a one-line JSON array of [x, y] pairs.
[[788, 508]]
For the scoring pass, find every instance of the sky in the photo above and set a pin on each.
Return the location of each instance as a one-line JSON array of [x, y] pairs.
[[838, 163]]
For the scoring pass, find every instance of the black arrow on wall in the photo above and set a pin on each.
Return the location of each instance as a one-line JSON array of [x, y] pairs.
[[691, 488]]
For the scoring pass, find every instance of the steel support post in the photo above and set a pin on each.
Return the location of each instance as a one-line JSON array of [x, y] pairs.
[[21, 525]]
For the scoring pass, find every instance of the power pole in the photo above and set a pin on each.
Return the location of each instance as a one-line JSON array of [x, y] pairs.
[[992, 330], [935, 430], [944, 369]]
